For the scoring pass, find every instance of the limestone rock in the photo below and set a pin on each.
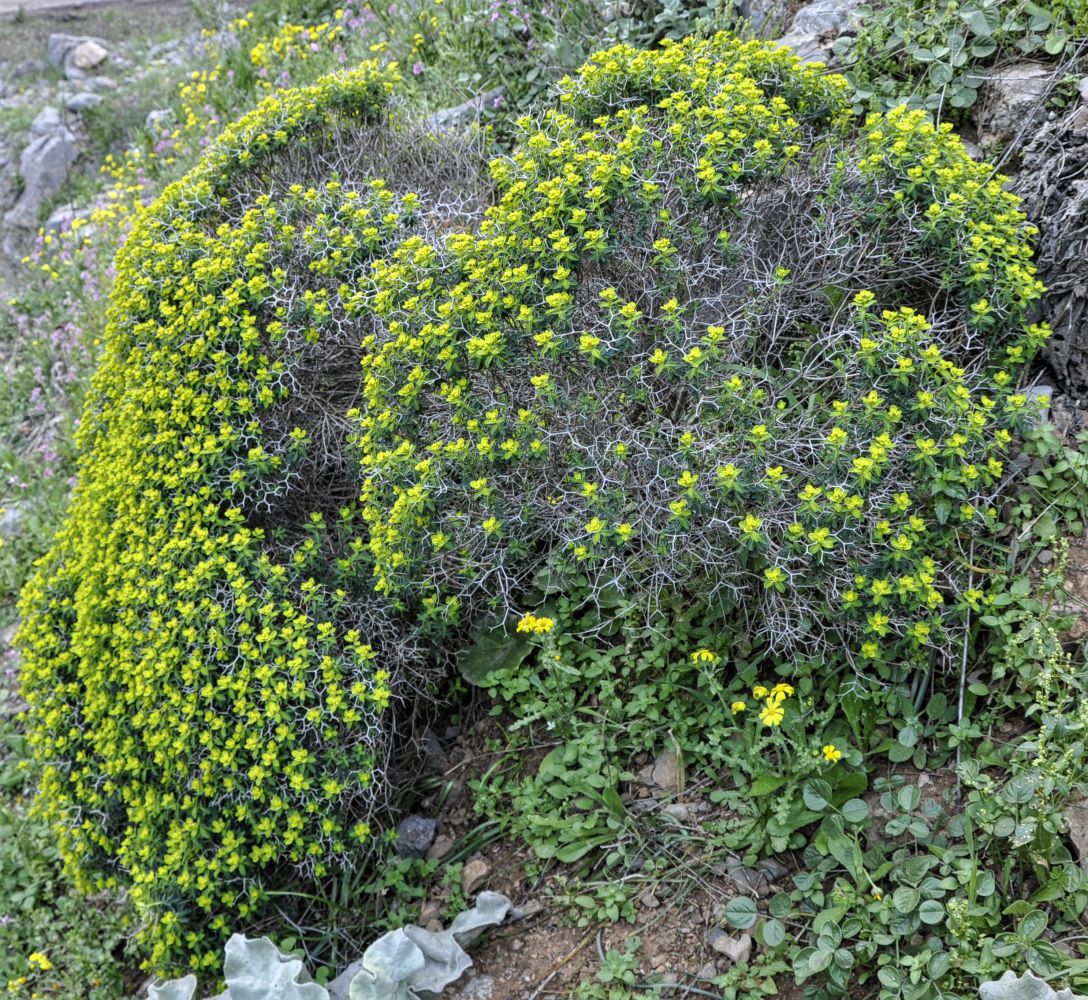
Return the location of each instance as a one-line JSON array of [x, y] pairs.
[[738, 950], [88, 55], [823, 17], [1010, 101], [668, 773], [473, 875], [415, 834], [83, 101], [44, 166], [1076, 818]]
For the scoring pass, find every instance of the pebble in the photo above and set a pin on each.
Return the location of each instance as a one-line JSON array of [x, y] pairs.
[[737, 950], [668, 772], [415, 834], [440, 848], [473, 875]]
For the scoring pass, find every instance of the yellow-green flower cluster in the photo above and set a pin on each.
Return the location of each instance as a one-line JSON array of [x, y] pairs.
[[204, 705], [684, 349]]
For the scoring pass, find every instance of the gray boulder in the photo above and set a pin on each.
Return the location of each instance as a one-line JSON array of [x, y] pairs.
[[44, 166], [83, 101], [1011, 102]]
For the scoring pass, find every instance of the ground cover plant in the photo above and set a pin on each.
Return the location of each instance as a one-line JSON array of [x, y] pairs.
[[937, 55]]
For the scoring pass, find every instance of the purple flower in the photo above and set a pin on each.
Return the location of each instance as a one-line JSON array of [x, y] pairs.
[[417, 68]]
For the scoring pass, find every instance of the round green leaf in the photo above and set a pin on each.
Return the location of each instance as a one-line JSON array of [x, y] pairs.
[[905, 899], [855, 811], [774, 933], [741, 912], [931, 912]]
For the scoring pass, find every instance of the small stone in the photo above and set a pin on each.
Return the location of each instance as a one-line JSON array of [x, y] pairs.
[[517, 944], [83, 102], [648, 901], [415, 834], [1082, 88], [99, 83], [11, 521], [531, 908], [1076, 820], [47, 122], [775, 869], [473, 875], [679, 811], [88, 55], [1045, 558], [668, 772], [431, 910], [737, 950], [708, 971], [440, 848], [471, 987]]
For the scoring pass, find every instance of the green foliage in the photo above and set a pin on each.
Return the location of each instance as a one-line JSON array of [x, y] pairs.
[[333, 433], [53, 942], [934, 54]]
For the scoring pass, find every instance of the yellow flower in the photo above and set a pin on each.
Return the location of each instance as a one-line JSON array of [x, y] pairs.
[[738, 707], [759, 691], [781, 691], [38, 961], [832, 753], [705, 656], [772, 713], [535, 624]]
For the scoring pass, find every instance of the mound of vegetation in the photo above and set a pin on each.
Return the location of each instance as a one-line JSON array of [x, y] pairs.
[[703, 341]]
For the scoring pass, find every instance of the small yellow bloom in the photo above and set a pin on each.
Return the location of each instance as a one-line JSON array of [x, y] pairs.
[[738, 707], [759, 691], [705, 656], [780, 691], [832, 753], [772, 713], [535, 624], [38, 961]]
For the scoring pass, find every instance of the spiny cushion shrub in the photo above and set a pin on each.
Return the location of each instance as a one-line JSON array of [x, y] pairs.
[[702, 341]]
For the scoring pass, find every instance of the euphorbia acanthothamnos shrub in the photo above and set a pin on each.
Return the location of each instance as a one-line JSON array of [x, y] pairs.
[[703, 339]]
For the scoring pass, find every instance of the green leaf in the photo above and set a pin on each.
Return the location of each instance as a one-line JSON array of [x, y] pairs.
[[741, 912], [855, 811], [905, 899], [931, 912], [938, 966], [817, 794], [774, 933], [765, 784], [1032, 924], [492, 649]]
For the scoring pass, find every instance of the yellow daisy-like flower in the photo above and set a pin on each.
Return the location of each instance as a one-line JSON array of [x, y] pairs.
[[535, 624], [780, 691], [759, 691], [705, 656], [39, 961], [832, 753], [738, 707], [772, 713]]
